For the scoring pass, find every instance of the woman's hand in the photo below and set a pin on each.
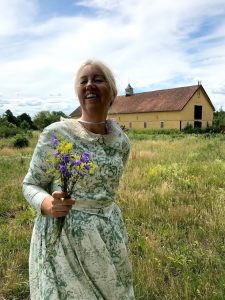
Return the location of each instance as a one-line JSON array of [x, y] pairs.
[[57, 205]]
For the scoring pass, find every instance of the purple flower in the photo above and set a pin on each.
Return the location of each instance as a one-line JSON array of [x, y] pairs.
[[56, 153], [82, 174], [87, 167], [75, 163], [55, 141], [87, 154], [62, 168], [67, 174], [85, 157], [65, 157]]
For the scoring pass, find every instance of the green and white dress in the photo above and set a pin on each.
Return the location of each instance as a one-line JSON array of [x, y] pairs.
[[92, 260]]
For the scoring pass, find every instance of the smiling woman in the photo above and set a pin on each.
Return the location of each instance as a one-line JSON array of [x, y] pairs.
[[96, 89], [94, 94], [91, 261]]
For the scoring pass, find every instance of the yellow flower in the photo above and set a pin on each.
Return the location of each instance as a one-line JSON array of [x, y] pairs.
[[65, 147], [152, 172], [68, 147], [93, 167]]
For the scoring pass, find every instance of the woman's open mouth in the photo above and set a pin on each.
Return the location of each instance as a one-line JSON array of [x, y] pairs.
[[91, 96]]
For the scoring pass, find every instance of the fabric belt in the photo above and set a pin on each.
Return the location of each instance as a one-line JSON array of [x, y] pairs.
[[100, 208]]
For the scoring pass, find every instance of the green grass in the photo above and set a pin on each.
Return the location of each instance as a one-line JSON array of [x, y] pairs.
[[173, 199], [16, 221]]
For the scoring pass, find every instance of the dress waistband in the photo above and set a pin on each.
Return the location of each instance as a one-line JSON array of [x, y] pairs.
[[94, 207], [92, 203]]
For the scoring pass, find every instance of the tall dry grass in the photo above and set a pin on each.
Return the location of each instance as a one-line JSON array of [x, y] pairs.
[[173, 199]]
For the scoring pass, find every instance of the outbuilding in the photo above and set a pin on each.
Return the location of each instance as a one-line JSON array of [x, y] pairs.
[[174, 108]]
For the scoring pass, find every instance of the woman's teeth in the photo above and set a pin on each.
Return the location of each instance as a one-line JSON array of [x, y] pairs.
[[90, 96]]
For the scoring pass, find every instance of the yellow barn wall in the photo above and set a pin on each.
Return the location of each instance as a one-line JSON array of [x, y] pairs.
[[152, 120], [171, 120], [207, 111]]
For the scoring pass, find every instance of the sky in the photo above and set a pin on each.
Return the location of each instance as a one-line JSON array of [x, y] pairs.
[[150, 44]]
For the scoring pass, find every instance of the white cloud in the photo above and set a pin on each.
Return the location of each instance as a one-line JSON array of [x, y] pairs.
[[4, 101], [150, 43], [100, 4], [16, 14]]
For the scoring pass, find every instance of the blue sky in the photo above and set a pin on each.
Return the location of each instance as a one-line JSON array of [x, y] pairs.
[[151, 44]]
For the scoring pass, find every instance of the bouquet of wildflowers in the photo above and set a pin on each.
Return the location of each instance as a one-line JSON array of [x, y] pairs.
[[67, 168]]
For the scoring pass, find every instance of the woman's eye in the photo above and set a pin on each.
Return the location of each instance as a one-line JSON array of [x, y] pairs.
[[96, 80], [99, 80], [83, 81]]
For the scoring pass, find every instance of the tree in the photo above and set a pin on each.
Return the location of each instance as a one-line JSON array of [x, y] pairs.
[[10, 117], [57, 114], [45, 118], [3, 121], [24, 125], [219, 119], [25, 117], [7, 129]]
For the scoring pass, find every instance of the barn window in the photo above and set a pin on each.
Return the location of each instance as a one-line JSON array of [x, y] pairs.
[[198, 112], [161, 124], [130, 125], [145, 124]]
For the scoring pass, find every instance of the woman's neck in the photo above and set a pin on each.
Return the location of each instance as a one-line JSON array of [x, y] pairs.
[[89, 122], [95, 127]]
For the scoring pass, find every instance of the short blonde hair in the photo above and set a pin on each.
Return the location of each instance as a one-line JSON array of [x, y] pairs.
[[109, 77]]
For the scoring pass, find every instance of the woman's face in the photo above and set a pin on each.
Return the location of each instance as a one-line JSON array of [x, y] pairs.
[[93, 91]]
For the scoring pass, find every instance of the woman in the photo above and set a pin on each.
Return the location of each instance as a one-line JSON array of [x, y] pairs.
[[91, 261]]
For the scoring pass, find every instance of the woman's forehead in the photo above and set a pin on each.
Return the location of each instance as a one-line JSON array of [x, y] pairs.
[[90, 70]]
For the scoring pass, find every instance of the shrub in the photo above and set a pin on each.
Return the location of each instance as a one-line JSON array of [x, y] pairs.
[[25, 125], [20, 141], [145, 134], [8, 131], [29, 133], [150, 131], [208, 130]]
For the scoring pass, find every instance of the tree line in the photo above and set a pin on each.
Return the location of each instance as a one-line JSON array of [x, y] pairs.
[[24, 121], [11, 125], [219, 119]]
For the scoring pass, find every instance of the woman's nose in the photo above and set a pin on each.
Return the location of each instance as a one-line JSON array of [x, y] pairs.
[[90, 83]]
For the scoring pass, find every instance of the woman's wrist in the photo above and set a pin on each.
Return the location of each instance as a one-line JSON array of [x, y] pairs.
[[46, 205]]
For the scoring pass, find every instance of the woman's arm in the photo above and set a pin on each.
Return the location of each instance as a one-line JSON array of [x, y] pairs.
[[37, 182]]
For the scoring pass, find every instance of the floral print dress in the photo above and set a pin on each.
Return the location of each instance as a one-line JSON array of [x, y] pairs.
[[91, 261]]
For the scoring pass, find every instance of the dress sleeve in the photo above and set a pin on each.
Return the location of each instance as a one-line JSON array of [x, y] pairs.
[[36, 184], [126, 150]]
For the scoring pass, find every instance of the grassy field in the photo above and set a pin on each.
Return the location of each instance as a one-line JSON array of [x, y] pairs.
[[173, 200]]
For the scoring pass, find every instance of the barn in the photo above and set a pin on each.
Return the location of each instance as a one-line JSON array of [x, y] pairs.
[[174, 108]]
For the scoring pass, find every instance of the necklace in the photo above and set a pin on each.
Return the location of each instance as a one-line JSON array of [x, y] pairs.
[[88, 122]]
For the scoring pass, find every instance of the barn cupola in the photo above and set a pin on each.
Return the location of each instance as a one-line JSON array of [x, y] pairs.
[[129, 90]]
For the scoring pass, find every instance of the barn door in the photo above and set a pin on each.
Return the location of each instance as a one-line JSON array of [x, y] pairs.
[[198, 116]]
